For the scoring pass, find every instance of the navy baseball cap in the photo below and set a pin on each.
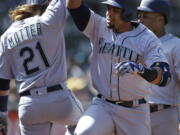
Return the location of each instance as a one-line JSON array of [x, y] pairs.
[[158, 6]]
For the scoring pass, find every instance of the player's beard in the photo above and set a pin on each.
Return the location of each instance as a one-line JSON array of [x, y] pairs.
[[109, 24]]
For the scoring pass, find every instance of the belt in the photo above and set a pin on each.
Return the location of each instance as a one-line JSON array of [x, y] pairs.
[[48, 89], [128, 104], [158, 107]]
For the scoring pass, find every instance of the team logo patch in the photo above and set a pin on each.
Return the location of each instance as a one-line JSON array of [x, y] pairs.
[[118, 50]]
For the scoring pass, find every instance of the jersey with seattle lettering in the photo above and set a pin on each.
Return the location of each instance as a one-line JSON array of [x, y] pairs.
[[171, 93], [32, 51], [108, 48]]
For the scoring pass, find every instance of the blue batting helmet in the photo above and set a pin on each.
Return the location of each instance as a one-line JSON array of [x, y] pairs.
[[129, 6], [158, 6]]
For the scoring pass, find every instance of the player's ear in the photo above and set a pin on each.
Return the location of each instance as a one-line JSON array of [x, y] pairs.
[[162, 19]]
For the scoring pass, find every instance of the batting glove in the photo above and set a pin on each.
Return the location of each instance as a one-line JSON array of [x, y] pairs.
[[3, 122], [129, 67]]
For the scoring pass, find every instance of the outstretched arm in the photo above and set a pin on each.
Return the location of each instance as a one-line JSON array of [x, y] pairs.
[[79, 12]]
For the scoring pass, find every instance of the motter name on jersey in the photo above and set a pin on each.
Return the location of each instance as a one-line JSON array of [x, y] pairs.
[[23, 34]]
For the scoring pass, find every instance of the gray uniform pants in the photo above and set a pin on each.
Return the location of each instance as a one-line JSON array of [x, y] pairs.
[[37, 112], [165, 122], [104, 118]]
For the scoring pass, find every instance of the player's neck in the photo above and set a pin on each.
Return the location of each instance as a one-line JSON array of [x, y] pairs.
[[161, 32], [124, 27]]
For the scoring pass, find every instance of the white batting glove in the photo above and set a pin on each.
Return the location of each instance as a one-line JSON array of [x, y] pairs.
[[129, 67], [3, 122]]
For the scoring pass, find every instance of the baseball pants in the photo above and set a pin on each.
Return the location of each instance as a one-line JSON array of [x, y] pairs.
[[165, 122], [104, 118], [36, 113]]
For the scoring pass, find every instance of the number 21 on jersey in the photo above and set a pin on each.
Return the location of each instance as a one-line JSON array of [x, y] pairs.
[[31, 56]]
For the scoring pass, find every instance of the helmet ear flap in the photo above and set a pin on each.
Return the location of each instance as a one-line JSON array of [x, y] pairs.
[[129, 6], [126, 15]]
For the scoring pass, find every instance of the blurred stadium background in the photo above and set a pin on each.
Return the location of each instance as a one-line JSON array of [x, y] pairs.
[[78, 50]]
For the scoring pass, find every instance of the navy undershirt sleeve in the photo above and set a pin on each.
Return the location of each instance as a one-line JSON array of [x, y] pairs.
[[4, 84], [151, 74], [3, 103], [81, 16]]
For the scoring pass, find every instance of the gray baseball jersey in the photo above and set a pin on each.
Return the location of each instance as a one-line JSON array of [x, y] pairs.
[[109, 48], [32, 50], [139, 45], [168, 95]]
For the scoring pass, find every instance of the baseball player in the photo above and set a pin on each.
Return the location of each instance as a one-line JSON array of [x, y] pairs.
[[163, 100], [32, 51], [126, 59]]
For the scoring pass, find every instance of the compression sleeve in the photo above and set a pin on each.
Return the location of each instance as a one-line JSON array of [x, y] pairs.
[[4, 84], [81, 16], [3, 103], [153, 76]]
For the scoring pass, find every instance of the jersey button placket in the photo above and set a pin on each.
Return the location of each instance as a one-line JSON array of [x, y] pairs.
[[114, 79], [114, 83]]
